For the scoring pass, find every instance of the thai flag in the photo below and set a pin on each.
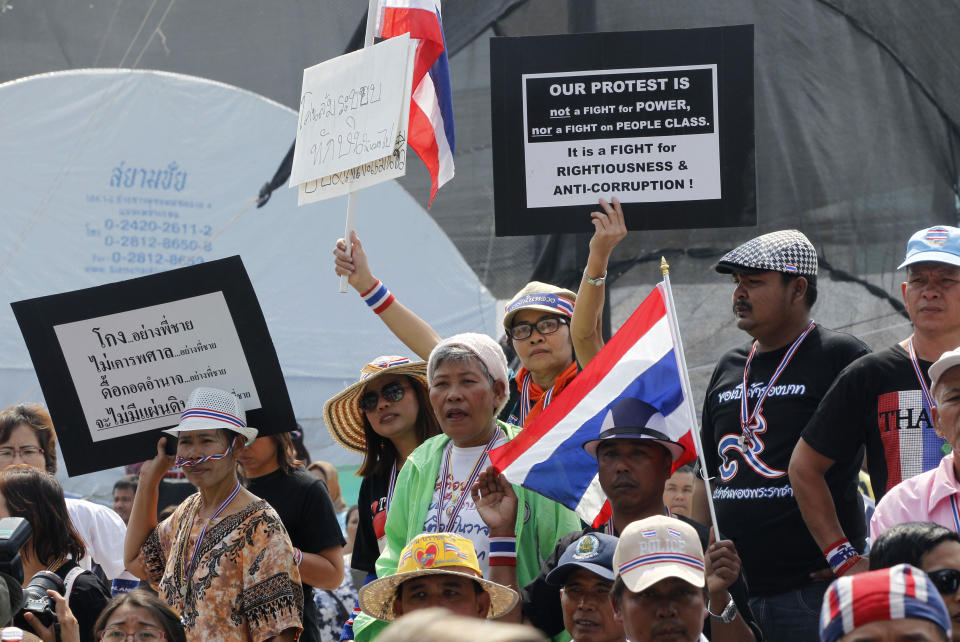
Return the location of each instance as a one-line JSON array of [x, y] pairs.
[[641, 361], [431, 105]]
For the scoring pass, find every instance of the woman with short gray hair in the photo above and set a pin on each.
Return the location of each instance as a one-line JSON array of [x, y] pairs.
[[467, 375]]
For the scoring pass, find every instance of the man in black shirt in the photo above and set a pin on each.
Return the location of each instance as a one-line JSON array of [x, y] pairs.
[[758, 401], [304, 506], [882, 404], [634, 463]]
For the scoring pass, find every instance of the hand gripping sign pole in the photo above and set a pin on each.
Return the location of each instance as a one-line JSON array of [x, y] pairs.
[[687, 389], [372, 8]]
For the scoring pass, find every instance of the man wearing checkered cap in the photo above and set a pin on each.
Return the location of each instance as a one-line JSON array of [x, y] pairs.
[[758, 401], [882, 404]]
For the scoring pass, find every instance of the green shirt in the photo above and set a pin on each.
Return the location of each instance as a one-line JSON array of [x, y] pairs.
[[540, 522]]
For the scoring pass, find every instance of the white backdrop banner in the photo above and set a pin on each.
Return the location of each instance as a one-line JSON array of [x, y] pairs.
[[111, 174]]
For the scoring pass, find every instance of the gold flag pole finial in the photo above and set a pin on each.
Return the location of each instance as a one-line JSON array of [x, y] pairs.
[[664, 266]]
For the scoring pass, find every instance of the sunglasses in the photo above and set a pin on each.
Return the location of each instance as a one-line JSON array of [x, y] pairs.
[[947, 580], [391, 392]]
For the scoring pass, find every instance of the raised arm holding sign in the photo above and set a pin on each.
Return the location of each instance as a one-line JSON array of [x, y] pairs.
[[354, 135]]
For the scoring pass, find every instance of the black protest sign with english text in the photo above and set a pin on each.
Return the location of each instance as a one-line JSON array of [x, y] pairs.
[[661, 120], [117, 362]]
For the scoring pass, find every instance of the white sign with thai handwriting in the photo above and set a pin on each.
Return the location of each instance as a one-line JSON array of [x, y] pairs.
[[380, 170], [134, 370], [350, 110]]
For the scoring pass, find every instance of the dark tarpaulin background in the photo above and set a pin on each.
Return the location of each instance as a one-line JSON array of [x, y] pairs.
[[857, 105]]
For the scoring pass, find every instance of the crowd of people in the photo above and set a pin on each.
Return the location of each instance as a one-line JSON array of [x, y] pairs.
[[240, 537]]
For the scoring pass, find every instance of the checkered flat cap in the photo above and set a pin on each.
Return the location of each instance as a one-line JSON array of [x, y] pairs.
[[787, 251]]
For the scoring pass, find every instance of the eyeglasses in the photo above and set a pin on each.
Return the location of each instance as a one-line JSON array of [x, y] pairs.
[[947, 580], [391, 392], [117, 634], [547, 325], [8, 454]]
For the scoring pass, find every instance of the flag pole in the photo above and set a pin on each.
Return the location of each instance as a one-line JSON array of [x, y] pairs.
[[373, 9], [687, 389]]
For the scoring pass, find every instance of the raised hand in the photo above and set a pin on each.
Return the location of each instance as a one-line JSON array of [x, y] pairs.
[[496, 502], [609, 229], [354, 265], [154, 470]]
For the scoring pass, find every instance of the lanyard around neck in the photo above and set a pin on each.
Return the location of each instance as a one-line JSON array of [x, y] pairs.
[[466, 489], [748, 418], [931, 404], [187, 571]]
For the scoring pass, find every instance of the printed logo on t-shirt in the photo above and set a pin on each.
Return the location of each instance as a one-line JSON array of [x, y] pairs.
[[379, 513], [756, 389], [910, 442], [735, 446]]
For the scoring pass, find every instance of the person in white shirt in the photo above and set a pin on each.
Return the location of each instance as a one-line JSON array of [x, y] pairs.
[[27, 437]]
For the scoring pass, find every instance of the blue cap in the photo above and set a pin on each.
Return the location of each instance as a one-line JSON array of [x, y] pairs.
[[940, 244], [630, 418], [593, 552]]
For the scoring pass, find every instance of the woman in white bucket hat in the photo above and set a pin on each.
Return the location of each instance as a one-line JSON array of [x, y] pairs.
[[223, 559]]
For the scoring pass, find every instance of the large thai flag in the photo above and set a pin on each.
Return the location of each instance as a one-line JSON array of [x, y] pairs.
[[431, 105], [641, 361]]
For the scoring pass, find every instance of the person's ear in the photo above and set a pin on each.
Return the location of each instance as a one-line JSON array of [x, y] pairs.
[[499, 393], [799, 287], [616, 610], [483, 604]]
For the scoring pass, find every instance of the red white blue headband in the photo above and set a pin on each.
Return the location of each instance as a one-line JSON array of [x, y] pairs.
[[558, 303]]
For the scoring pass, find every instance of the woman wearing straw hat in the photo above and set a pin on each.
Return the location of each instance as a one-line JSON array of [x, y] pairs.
[[223, 559], [468, 383], [384, 416], [537, 319]]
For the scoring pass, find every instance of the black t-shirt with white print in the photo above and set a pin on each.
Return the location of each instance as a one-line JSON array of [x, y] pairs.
[[754, 501], [372, 518], [877, 403]]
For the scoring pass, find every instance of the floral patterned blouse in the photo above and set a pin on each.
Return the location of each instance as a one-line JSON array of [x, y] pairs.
[[244, 587]]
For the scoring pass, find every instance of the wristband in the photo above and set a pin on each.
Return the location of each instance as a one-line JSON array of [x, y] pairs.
[[841, 556], [297, 556], [378, 298], [503, 551]]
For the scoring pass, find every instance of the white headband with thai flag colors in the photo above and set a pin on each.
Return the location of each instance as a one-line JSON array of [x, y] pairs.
[[564, 306]]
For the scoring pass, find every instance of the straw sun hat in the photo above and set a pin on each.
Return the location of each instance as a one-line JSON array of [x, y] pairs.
[[342, 412], [434, 554]]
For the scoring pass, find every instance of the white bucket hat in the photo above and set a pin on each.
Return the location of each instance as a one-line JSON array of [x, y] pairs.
[[213, 409]]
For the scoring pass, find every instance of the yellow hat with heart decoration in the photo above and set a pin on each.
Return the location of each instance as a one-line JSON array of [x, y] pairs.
[[434, 554]]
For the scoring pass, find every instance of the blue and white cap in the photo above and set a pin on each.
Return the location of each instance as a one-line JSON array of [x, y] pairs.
[[940, 244], [593, 552]]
